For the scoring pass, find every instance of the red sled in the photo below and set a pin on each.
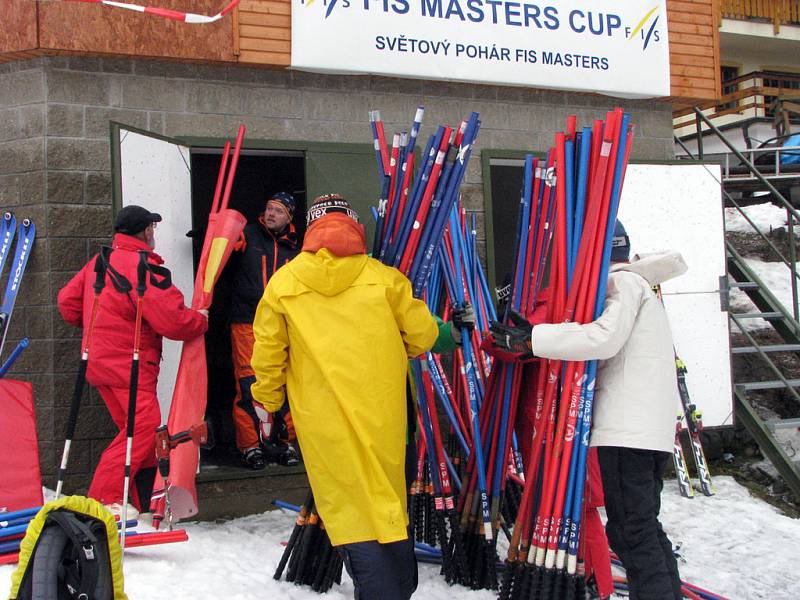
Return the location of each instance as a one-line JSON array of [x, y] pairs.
[[20, 476]]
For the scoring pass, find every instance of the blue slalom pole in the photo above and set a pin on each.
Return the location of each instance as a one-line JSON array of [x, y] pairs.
[[569, 187], [393, 254], [433, 215], [469, 368], [398, 188], [23, 343], [449, 197], [18, 514], [583, 177], [415, 126], [585, 424], [438, 385], [281, 504], [382, 204], [417, 193], [523, 231]]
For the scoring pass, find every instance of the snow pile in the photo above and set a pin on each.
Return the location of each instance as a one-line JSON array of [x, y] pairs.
[[765, 216], [733, 544], [777, 278], [776, 275]]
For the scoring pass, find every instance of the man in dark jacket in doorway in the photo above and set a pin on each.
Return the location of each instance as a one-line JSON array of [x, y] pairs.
[[109, 369], [264, 247]]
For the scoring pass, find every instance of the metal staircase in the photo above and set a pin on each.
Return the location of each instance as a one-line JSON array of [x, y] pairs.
[[768, 432]]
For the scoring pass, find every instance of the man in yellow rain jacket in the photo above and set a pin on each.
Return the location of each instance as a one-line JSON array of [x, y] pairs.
[[337, 329]]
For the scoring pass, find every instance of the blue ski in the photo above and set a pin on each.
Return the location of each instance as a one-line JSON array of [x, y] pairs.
[[25, 237], [8, 227]]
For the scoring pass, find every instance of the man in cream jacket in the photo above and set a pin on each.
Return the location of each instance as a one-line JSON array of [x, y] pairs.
[[634, 416]]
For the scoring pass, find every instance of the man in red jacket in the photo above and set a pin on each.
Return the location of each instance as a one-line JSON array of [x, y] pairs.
[[111, 344]]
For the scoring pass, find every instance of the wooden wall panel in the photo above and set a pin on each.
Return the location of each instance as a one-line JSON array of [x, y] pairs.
[[17, 25], [100, 29], [694, 49], [265, 32], [259, 32]]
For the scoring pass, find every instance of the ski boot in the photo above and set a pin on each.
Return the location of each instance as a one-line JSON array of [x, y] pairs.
[[281, 453], [254, 459]]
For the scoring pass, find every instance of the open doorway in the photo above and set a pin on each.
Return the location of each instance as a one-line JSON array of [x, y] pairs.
[[260, 173]]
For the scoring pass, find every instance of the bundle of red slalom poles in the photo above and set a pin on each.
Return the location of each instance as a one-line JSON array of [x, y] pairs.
[[583, 177], [470, 481]]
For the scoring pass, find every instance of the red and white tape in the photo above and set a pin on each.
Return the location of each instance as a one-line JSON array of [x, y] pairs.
[[167, 13]]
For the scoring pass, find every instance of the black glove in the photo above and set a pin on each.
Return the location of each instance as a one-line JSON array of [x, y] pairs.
[[463, 317], [515, 338]]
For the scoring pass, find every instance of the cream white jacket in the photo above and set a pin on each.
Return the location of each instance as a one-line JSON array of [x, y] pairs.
[[636, 396]]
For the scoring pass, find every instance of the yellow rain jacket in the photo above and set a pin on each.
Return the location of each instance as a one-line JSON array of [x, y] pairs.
[[338, 331]]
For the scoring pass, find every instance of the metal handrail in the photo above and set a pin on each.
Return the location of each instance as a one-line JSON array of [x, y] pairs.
[[739, 208], [702, 118], [791, 213], [765, 356], [788, 319], [764, 151]]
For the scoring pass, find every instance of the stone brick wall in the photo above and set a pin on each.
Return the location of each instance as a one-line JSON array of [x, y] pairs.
[[55, 166], [22, 191]]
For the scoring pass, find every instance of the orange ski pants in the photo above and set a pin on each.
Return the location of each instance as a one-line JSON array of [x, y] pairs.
[[242, 341]]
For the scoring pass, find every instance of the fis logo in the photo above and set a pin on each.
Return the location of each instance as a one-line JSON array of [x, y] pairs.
[[330, 4], [645, 29]]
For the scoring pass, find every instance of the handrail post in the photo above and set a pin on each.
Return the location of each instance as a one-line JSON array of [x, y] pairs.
[[699, 130], [792, 261]]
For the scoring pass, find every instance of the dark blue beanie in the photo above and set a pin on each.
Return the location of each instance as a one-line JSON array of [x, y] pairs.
[[620, 244]]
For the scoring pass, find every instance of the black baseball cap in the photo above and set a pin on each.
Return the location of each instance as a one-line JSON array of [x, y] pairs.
[[134, 219]]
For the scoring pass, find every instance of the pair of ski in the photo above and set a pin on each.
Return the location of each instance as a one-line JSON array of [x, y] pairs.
[[693, 418], [694, 424], [25, 233]]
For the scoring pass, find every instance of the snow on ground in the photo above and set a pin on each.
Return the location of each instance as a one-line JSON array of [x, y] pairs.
[[733, 544], [765, 216]]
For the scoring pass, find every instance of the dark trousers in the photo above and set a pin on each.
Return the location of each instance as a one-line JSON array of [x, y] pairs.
[[632, 485], [381, 571]]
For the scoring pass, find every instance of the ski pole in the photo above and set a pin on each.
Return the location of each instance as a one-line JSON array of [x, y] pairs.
[[300, 523], [23, 343], [141, 286], [100, 265]]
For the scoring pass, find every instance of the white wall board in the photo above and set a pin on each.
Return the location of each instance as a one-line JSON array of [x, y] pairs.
[[156, 175], [678, 207]]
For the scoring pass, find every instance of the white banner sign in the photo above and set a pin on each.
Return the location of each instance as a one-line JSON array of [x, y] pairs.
[[615, 47]]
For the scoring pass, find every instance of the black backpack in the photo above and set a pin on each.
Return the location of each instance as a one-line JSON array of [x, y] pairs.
[[70, 561]]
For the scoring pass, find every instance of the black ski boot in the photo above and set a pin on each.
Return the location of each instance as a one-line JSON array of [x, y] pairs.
[[254, 459], [281, 453]]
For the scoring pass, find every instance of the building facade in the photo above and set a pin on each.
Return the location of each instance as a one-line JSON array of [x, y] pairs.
[[73, 76]]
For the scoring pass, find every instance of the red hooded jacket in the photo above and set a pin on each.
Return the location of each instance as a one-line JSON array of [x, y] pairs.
[[111, 346]]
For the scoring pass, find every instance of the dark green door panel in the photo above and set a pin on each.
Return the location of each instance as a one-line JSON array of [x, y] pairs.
[[352, 174]]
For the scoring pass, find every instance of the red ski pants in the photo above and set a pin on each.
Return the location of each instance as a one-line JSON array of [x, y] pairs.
[[109, 476], [242, 341]]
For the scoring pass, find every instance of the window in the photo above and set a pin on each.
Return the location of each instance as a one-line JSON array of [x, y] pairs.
[[785, 82], [727, 74]]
